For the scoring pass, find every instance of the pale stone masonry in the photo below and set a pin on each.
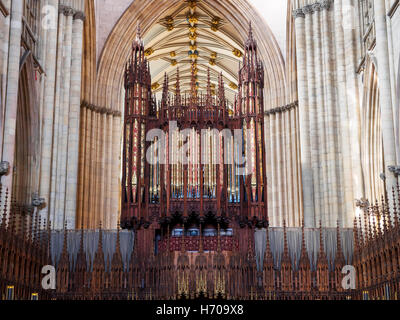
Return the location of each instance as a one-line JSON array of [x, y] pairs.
[[11, 103], [331, 106]]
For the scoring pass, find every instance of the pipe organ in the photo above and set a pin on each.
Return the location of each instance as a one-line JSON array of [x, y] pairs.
[[193, 160]]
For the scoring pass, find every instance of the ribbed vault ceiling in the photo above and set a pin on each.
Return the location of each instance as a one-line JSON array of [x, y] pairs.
[[220, 29], [190, 34]]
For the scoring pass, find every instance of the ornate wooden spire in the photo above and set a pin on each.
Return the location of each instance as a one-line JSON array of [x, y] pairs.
[[209, 93], [177, 89], [286, 248], [164, 101]]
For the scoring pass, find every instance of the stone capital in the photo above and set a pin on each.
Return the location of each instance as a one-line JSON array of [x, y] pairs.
[[37, 201], [79, 15], [298, 13], [4, 167], [395, 170], [326, 4], [316, 7], [66, 10], [308, 9]]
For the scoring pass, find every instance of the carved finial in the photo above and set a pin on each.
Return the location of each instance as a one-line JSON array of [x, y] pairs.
[[395, 213], [193, 87], [118, 243], [138, 31], [221, 90], [177, 89], [250, 31], [303, 243], [384, 214], [165, 91], [339, 241], [356, 235], [321, 240], [100, 237], [286, 248], [5, 210], [250, 43], [65, 245]]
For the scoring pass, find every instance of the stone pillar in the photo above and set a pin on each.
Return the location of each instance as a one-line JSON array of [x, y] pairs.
[[48, 115], [74, 120], [306, 170], [11, 105], [353, 106], [57, 107], [331, 119], [102, 174], [388, 134], [4, 37], [346, 167], [116, 163], [64, 119], [109, 166], [274, 170], [313, 112]]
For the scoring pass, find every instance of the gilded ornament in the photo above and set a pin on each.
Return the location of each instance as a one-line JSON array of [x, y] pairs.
[[192, 19], [233, 86], [193, 29], [237, 53], [193, 36], [149, 52]]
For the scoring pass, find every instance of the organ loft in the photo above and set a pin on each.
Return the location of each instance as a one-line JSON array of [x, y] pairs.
[[206, 196]]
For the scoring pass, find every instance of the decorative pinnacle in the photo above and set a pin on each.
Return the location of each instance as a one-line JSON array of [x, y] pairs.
[[65, 238], [321, 240], [118, 243], [339, 241], [178, 88], [286, 249], [303, 237], [100, 237], [138, 31]]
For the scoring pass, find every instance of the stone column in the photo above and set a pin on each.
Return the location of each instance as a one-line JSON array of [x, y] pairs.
[[353, 106], [74, 120], [57, 107], [109, 166], [313, 112], [102, 174], [64, 119], [332, 130], [82, 165], [116, 163], [346, 167], [48, 115], [274, 171], [306, 170], [388, 134], [4, 37], [11, 105]]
